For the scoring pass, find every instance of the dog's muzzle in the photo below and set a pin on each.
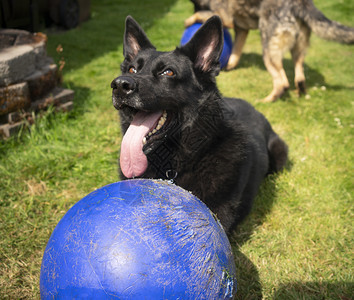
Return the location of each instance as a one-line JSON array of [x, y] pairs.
[[122, 86]]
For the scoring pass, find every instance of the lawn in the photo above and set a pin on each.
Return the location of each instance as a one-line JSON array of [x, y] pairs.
[[298, 241]]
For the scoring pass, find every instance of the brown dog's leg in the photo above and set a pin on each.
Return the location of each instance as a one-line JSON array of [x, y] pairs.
[[276, 41], [240, 39], [298, 54], [299, 73], [274, 65]]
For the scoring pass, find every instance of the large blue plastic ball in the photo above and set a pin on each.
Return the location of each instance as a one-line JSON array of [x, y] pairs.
[[138, 239], [227, 48]]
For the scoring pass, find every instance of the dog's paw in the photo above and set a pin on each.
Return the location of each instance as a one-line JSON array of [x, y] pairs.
[[275, 95], [230, 66], [272, 97], [300, 88], [232, 62], [267, 99], [190, 21]]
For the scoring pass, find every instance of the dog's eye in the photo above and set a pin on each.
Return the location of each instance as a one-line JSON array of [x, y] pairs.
[[132, 70], [167, 72]]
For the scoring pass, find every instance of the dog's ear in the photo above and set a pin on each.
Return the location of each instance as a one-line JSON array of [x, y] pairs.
[[205, 47], [135, 39]]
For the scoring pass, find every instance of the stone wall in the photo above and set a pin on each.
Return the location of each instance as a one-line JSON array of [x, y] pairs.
[[29, 80]]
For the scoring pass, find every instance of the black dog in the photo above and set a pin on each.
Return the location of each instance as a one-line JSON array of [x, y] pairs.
[[177, 126]]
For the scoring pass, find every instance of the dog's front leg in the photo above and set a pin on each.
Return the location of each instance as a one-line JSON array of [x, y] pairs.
[[240, 39]]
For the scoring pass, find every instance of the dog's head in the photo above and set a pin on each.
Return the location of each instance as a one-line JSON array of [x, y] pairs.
[[160, 93]]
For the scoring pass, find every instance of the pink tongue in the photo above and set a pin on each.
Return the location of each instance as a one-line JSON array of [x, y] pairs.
[[133, 161]]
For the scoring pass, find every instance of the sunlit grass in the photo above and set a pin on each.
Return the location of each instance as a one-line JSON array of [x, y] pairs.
[[296, 244]]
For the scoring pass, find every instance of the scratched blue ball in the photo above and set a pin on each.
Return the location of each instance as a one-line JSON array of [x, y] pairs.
[[138, 239], [227, 47]]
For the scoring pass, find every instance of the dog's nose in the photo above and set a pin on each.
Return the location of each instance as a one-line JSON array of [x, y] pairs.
[[124, 84]]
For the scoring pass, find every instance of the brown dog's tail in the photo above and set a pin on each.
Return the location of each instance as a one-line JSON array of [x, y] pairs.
[[322, 26]]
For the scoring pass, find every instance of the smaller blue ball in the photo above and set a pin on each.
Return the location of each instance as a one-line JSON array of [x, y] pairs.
[[227, 48]]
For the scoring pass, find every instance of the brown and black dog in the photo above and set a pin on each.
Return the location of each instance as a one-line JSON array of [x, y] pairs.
[[285, 25]]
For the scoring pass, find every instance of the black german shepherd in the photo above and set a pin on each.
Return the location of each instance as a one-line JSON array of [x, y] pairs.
[[177, 126]]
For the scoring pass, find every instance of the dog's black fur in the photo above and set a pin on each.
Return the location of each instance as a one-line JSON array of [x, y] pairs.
[[218, 148]]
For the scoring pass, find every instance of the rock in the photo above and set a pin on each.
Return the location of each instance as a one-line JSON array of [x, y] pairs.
[[14, 98], [21, 53], [42, 81], [56, 97], [16, 63], [29, 80]]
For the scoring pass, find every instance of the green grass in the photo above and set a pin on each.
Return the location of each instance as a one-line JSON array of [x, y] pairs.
[[298, 241]]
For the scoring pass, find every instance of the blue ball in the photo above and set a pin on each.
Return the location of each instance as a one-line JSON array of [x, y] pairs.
[[227, 48], [138, 239]]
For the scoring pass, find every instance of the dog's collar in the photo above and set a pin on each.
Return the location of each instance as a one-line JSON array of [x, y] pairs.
[[171, 175]]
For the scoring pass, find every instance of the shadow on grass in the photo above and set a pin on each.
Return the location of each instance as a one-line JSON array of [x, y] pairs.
[[313, 76], [315, 290], [251, 60], [104, 31], [248, 283], [81, 96]]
